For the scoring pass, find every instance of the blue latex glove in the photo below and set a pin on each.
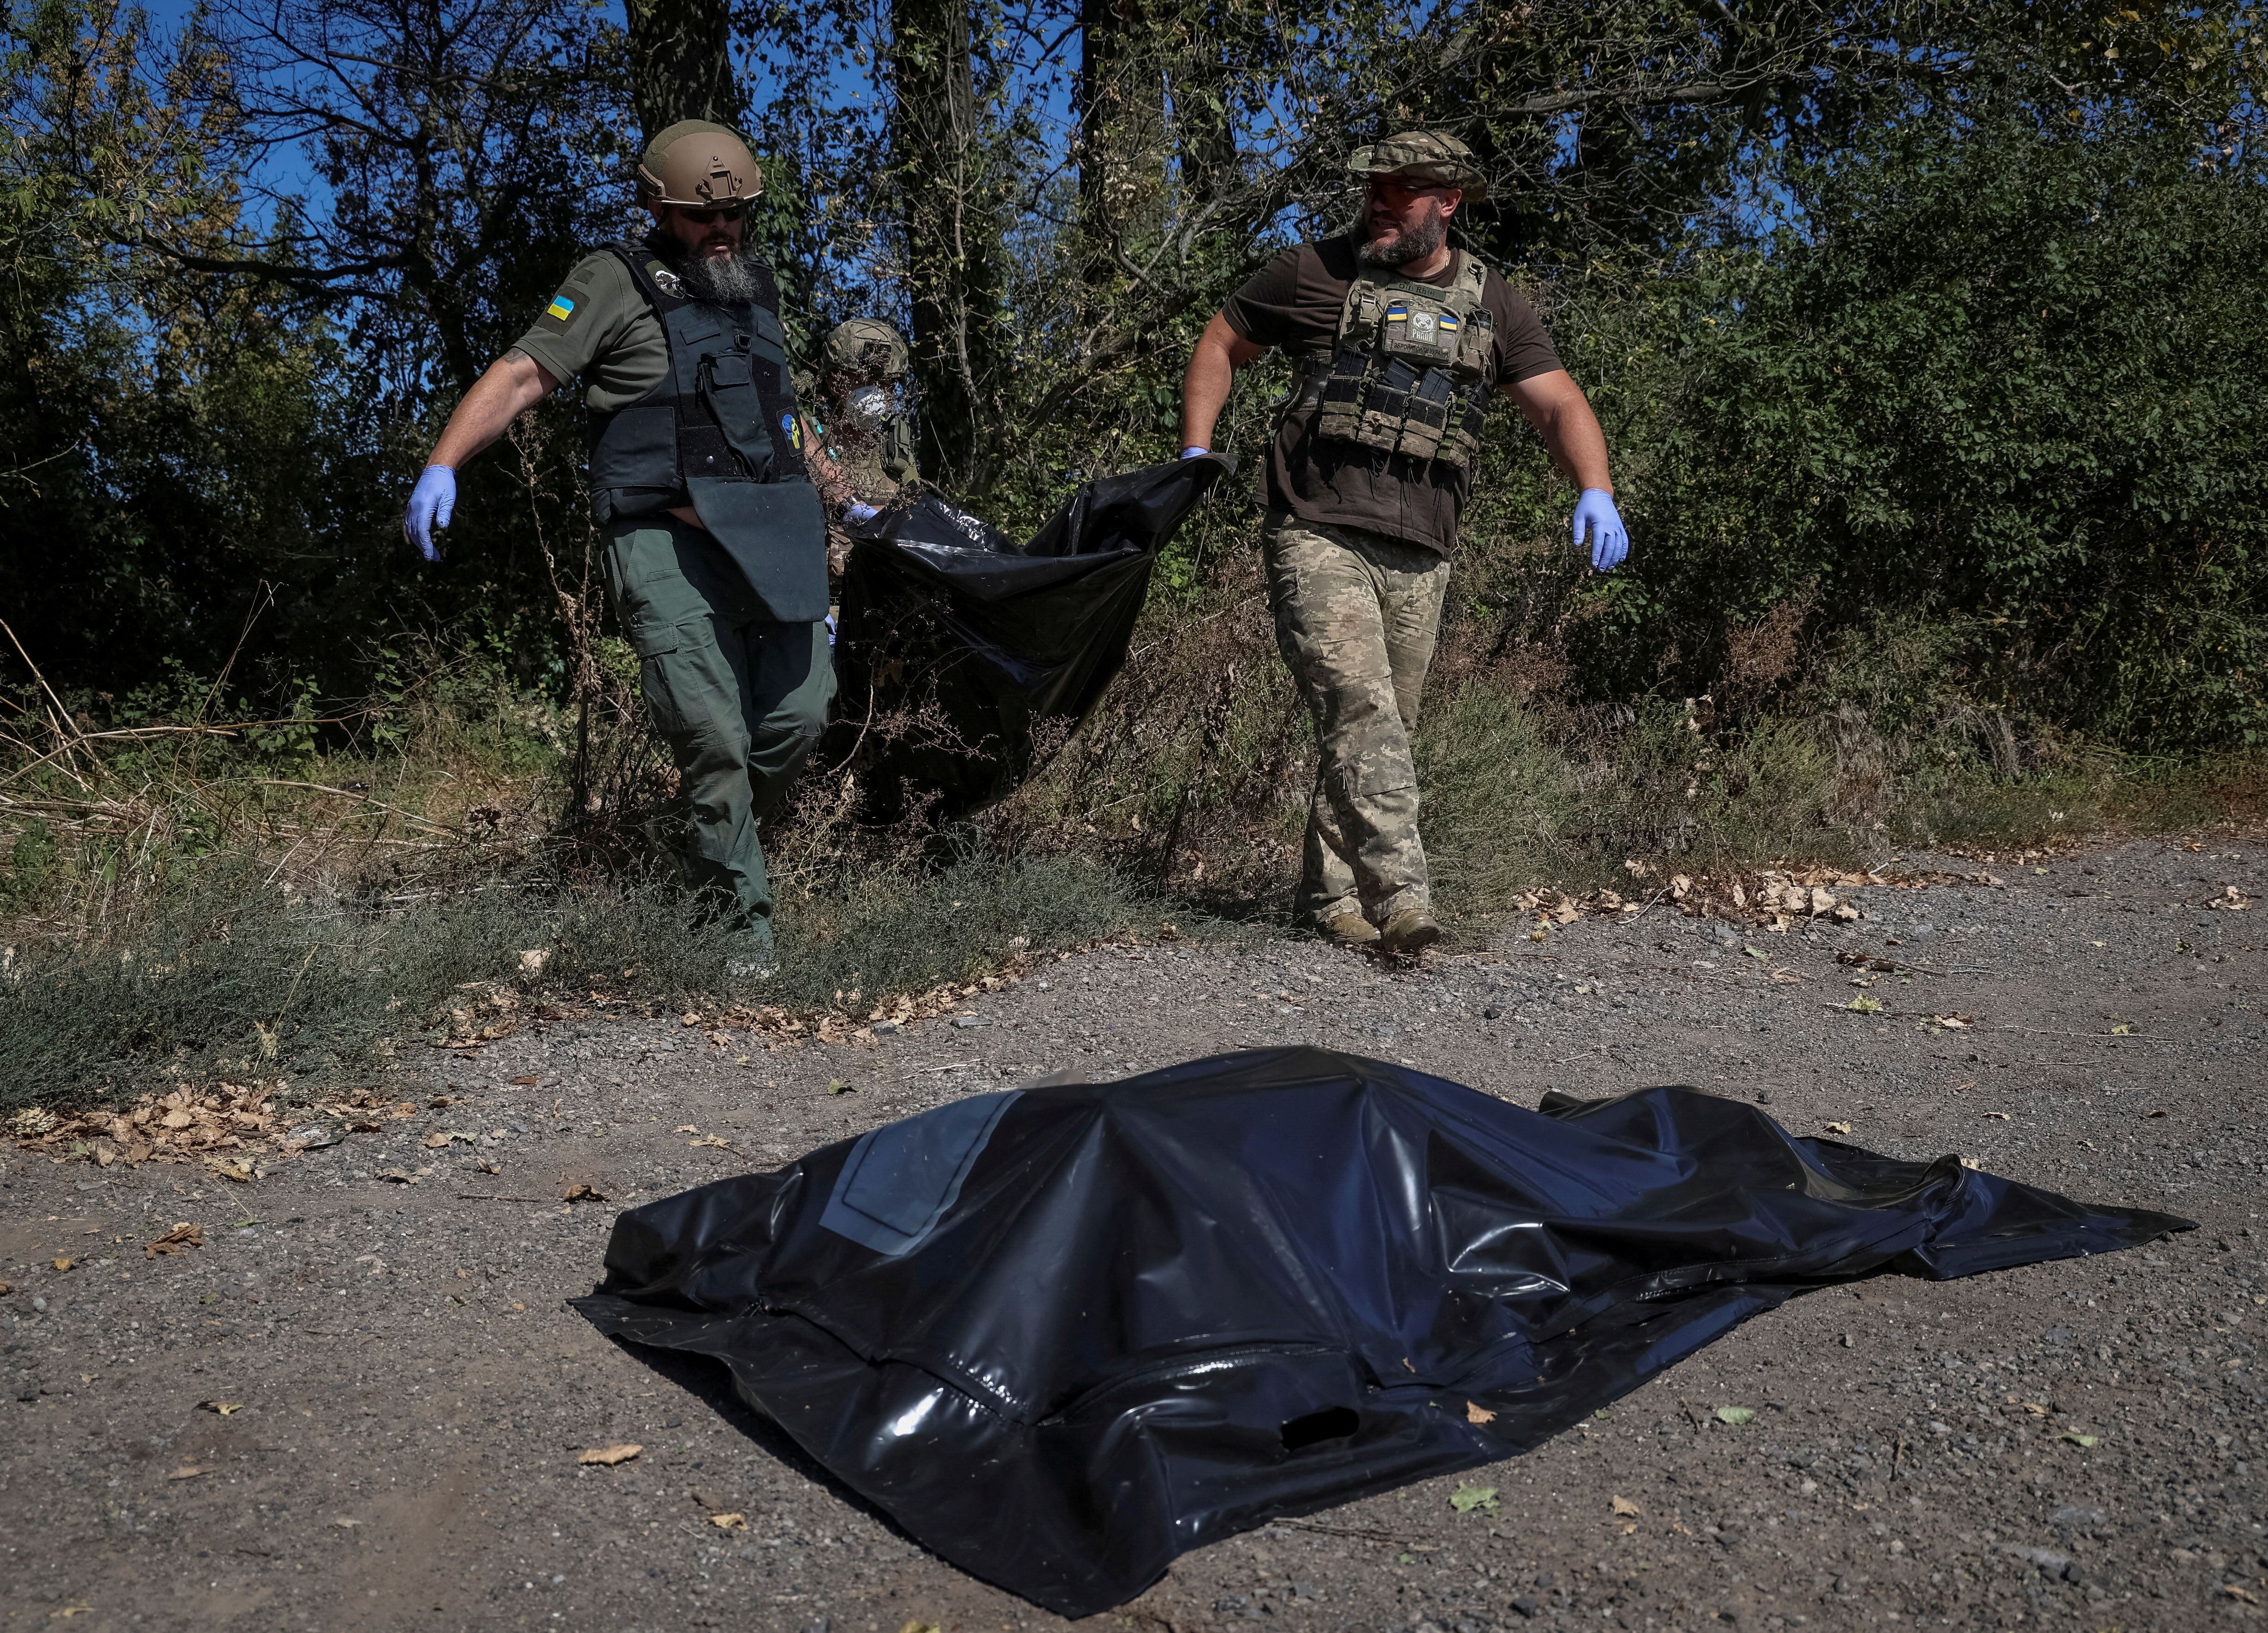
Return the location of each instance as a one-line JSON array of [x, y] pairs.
[[430, 504], [1195, 454], [830, 629], [860, 512], [1595, 514]]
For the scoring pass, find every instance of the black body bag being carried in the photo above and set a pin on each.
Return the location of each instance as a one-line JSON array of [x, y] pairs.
[[957, 651]]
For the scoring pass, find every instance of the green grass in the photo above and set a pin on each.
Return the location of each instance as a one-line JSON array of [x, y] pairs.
[[184, 909]]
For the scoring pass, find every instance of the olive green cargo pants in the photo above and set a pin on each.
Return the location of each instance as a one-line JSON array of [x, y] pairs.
[[1356, 617], [739, 698]]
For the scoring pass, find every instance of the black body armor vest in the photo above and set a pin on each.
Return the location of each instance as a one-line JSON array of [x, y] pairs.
[[719, 433]]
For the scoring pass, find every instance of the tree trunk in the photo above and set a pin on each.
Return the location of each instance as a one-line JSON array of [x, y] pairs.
[[1121, 129], [681, 62], [952, 226]]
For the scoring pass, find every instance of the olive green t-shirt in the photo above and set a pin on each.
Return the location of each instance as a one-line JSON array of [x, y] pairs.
[[599, 327]]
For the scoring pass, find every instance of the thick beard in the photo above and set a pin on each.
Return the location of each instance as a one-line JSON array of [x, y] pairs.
[[1414, 244], [726, 281]]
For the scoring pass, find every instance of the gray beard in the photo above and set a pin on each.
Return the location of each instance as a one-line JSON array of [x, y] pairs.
[[1414, 244], [729, 282]]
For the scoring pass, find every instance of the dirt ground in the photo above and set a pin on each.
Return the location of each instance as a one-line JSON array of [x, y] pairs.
[[359, 1403]]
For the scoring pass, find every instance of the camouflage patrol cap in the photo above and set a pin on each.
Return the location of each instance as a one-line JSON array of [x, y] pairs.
[[1426, 156], [867, 344]]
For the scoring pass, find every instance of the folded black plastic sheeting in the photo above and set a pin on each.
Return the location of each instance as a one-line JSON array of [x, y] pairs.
[[962, 659], [1062, 1334]]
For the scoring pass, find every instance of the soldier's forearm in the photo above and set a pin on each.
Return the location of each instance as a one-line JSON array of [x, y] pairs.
[[513, 383], [835, 490], [1219, 352], [1556, 406]]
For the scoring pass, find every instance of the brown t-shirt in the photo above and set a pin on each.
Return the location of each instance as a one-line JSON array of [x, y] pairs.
[[1294, 302]]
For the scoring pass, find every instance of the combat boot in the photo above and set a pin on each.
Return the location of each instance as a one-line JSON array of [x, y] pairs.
[[1410, 930], [1350, 930]]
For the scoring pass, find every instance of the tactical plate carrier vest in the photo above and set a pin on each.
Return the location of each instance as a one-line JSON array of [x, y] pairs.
[[1411, 370], [708, 435]]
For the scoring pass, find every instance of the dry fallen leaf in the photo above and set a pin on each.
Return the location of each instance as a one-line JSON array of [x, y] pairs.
[[1623, 1506], [181, 1239], [1736, 1416], [63, 1264], [2077, 1439], [1865, 1005], [582, 1193], [6, 1288], [222, 1407], [524, 1083], [187, 1471], [1838, 1128], [914, 1624], [2002, 1115], [729, 1522], [1475, 1413], [435, 1141], [1468, 1498], [610, 1455]]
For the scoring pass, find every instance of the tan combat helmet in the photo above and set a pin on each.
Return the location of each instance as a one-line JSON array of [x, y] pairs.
[[869, 345], [1425, 155], [698, 165]]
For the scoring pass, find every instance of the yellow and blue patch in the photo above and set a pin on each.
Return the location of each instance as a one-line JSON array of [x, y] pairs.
[[794, 428], [1450, 324], [1397, 313], [561, 312]]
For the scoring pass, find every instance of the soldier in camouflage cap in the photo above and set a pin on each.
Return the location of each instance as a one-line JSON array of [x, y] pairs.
[[1424, 155], [860, 425], [1406, 344]]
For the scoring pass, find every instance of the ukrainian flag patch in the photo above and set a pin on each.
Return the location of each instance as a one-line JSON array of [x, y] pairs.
[[561, 312], [1397, 313]]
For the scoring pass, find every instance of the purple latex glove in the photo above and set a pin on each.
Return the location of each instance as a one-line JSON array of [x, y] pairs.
[[431, 505], [1195, 454], [1595, 514]]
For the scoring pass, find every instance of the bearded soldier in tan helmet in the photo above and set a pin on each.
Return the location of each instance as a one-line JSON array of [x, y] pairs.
[[716, 557], [1403, 341]]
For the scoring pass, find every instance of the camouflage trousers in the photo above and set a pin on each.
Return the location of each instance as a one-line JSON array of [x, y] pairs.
[[1356, 617]]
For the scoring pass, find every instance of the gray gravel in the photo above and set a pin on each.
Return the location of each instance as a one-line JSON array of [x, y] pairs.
[[409, 1392]]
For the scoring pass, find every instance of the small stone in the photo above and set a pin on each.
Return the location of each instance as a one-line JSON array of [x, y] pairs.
[[1491, 1013], [1527, 1606], [883, 1028]]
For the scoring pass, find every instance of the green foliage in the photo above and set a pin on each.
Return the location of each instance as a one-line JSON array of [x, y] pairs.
[[2001, 378]]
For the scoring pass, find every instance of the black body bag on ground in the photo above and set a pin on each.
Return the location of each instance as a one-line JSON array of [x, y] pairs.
[[963, 660], [1062, 1334]]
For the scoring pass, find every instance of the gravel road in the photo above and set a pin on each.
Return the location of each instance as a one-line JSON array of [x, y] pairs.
[[359, 1404]]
